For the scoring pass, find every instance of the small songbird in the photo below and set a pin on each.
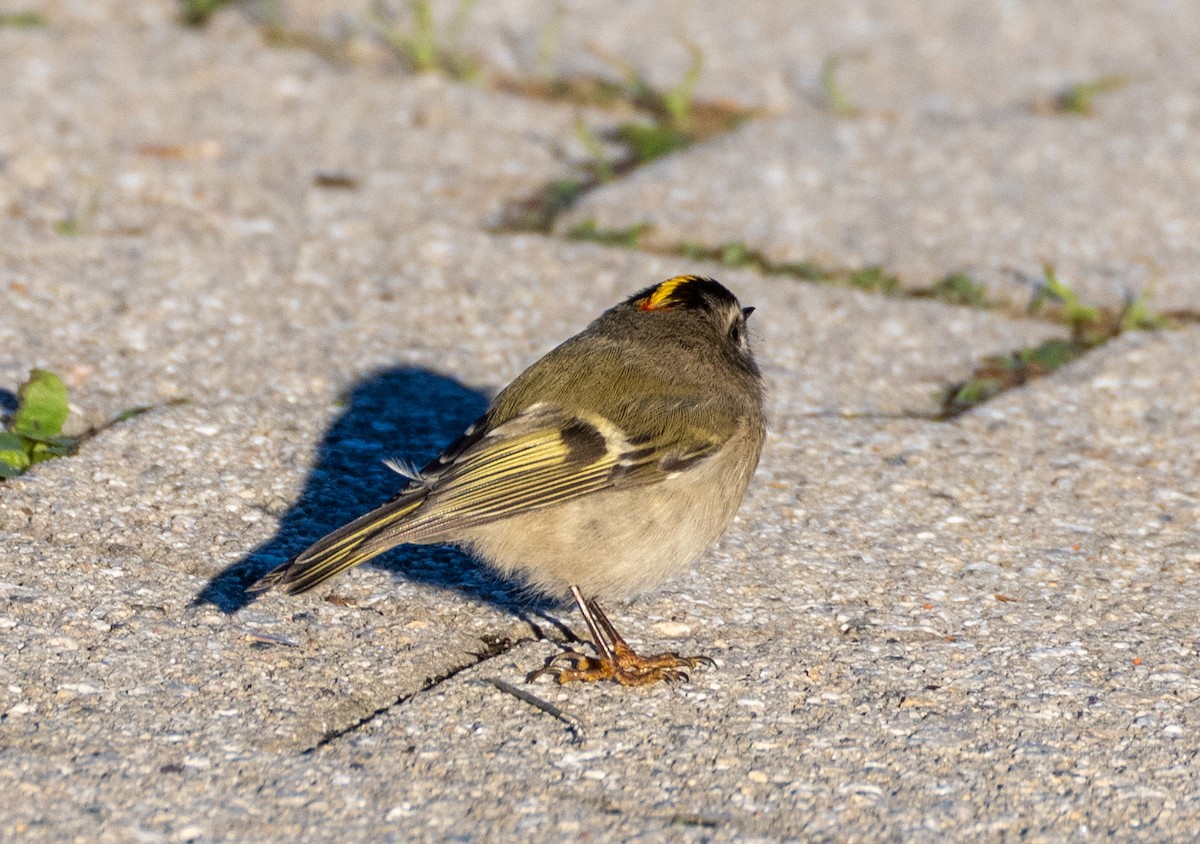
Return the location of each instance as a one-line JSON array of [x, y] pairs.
[[605, 468]]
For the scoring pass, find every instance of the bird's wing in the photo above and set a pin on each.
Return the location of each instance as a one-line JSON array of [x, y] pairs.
[[542, 456], [545, 455]]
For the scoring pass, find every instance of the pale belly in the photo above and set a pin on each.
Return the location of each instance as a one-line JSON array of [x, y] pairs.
[[617, 544]]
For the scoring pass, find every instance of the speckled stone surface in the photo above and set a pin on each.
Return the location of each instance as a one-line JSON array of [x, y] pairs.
[[949, 166], [1109, 201], [950, 56], [980, 629]]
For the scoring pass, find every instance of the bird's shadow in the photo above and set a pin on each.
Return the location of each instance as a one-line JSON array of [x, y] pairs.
[[409, 414]]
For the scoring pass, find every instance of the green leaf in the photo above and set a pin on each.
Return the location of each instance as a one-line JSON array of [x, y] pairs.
[[646, 143], [874, 279], [808, 270], [975, 392], [592, 233], [960, 289], [23, 20], [737, 254], [14, 458], [42, 407], [678, 101], [1080, 97], [1050, 355], [197, 12], [1137, 315], [50, 449]]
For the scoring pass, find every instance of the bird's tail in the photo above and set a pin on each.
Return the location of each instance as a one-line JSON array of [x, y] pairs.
[[364, 538]]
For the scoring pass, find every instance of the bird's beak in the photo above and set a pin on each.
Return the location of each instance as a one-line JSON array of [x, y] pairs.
[[746, 312]]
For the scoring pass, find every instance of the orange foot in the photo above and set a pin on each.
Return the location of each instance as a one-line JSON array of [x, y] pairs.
[[625, 666], [616, 661]]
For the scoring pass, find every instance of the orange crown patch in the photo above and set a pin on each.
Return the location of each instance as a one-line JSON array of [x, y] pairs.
[[683, 292], [664, 295]]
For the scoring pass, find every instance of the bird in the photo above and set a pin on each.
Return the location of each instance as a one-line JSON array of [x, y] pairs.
[[604, 469]]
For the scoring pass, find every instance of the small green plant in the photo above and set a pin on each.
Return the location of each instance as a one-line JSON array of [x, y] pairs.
[[563, 192], [421, 46], [667, 121], [1083, 319], [73, 224], [672, 117], [628, 237], [1090, 325], [676, 103], [34, 432], [23, 20], [1080, 98], [537, 213], [874, 280], [69, 226], [1137, 315], [836, 98], [670, 127], [997, 373], [693, 251], [738, 254], [735, 254], [601, 167], [965, 395], [647, 142], [959, 289], [807, 270], [1046, 357], [673, 107], [198, 12]]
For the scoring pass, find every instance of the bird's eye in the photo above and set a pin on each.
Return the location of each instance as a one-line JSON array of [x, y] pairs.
[[735, 332]]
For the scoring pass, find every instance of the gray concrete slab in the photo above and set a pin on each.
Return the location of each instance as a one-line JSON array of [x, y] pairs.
[[124, 561], [979, 629], [1109, 201], [944, 56], [975, 629], [955, 620], [150, 125], [161, 317]]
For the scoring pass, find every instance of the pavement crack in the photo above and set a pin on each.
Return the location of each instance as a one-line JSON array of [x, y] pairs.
[[493, 646]]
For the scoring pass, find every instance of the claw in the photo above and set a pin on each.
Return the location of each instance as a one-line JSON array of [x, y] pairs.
[[625, 667], [552, 667], [616, 660], [573, 657]]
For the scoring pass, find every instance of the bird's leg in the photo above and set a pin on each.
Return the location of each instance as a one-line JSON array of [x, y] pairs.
[[616, 660], [578, 661], [597, 624], [636, 670]]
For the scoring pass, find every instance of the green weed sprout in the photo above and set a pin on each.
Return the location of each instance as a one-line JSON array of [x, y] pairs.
[[34, 432]]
